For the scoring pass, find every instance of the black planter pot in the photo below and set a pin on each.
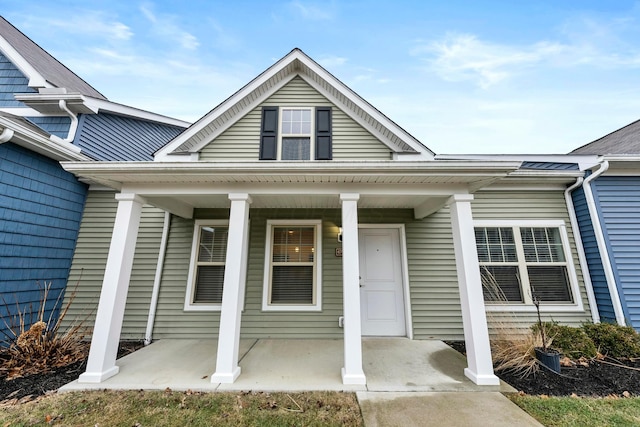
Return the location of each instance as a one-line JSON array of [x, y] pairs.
[[549, 358]]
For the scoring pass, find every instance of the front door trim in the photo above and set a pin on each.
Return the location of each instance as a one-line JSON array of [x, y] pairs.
[[405, 271]]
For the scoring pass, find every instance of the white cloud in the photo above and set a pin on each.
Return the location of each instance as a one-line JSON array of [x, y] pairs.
[[86, 23], [460, 57], [165, 26], [314, 12], [330, 62]]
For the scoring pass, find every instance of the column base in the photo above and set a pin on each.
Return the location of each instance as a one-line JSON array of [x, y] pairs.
[[483, 379], [350, 379], [226, 377], [98, 377]]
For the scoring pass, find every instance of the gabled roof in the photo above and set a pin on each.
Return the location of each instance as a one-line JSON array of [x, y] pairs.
[[296, 63], [625, 140], [42, 69]]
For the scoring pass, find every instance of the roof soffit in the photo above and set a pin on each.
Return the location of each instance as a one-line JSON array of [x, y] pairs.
[[296, 63]]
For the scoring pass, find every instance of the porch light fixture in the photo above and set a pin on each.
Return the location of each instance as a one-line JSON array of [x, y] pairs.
[[339, 234]]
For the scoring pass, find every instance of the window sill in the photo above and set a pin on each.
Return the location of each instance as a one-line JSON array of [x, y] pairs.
[[530, 308], [285, 308], [202, 307]]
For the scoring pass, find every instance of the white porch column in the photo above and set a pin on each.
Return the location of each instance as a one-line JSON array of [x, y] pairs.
[[227, 369], [113, 296], [476, 333], [352, 372]]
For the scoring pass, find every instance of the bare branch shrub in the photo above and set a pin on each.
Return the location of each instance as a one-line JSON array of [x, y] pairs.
[[42, 346]]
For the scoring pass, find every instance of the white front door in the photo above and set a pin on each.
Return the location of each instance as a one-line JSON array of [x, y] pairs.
[[381, 287]]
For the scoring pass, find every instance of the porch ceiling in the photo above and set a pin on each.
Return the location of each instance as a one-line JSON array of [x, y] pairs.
[[294, 201], [182, 187]]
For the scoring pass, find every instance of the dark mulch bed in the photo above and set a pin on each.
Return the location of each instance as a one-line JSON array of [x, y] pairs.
[[598, 378], [40, 384]]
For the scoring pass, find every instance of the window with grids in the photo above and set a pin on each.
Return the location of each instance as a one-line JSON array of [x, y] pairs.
[[296, 134], [208, 276], [518, 264], [293, 270]]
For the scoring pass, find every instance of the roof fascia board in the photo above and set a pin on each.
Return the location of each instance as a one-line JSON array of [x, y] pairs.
[[295, 55], [36, 80], [225, 105], [48, 103], [22, 112], [371, 129], [623, 158], [243, 168], [56, 150], [162, 155], [82, 104], [125, 110], [361, 103]]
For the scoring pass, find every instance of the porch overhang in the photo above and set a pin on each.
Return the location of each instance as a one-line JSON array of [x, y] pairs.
[[182, 187]]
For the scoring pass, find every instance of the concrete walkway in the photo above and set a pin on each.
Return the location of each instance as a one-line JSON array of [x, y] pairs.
[[408, 382], [464, 409]]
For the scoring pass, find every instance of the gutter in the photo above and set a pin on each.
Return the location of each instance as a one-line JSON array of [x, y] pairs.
[[586, 276], [6, 135], [148, 335], [602, 247], [74, 121]]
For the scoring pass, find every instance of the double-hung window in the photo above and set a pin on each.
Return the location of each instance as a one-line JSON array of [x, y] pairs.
[[524, 261], [296, 133], [206, 272], [292, 280]]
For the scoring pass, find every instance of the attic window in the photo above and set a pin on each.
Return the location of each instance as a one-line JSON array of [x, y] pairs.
[[296, 133]]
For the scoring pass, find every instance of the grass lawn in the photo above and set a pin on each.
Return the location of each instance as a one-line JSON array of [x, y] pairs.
[[581, 411], [154, 408]]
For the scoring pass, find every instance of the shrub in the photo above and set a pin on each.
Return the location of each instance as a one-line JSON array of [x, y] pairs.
[[42, 346], [614, 340], [515, 353], [571, 342]]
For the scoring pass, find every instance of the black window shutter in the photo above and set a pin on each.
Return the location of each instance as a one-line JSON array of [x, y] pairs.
[[323, 133], [269, 134]]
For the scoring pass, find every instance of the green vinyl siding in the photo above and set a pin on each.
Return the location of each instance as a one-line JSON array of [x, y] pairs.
[[90, 258], [241, 141], [435, 301], [532, 205]]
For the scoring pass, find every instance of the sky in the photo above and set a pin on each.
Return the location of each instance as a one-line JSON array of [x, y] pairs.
[[463, 77]]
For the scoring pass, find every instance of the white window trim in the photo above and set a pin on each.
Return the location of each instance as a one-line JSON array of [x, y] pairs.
[[189, 305], [267, 266], [546, 307], [312, 139]]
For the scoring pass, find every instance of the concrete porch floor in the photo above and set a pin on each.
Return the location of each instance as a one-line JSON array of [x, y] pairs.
[[390, 365]]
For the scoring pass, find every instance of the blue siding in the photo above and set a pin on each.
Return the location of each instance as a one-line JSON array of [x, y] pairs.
[[40, 210], [11, 81], [549, 166], [592, 254], [111, 137], [58, 126], [619, 205]]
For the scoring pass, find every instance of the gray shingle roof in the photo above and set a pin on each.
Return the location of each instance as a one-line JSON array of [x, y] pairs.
[[50, 68], [625, 140]]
